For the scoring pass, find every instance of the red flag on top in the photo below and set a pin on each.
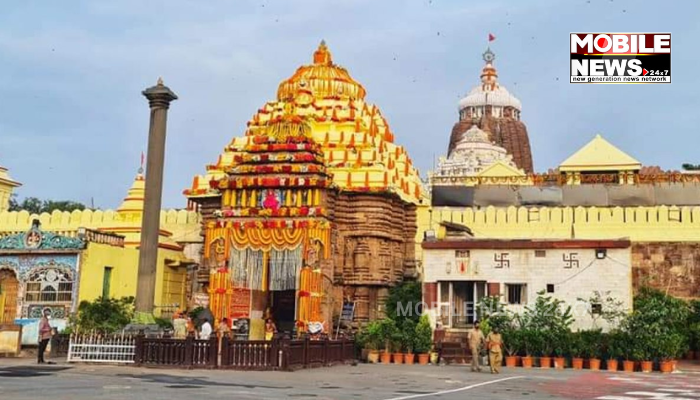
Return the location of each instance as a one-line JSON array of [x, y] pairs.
[[143, 158], [491, 37]]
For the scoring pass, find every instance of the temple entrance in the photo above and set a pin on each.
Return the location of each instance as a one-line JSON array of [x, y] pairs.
[[458, 301], [8, 296], [283, 306]]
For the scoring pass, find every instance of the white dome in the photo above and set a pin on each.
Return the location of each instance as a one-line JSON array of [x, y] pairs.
[[499, 96]]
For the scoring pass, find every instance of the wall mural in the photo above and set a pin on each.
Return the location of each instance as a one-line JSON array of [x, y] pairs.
[[36, 239]]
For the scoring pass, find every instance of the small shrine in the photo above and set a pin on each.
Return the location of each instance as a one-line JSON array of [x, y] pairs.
[[315, 207]]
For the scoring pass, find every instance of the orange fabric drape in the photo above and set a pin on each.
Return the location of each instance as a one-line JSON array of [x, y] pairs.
[[310, 294]]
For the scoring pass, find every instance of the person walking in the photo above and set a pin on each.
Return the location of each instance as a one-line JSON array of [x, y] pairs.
[[494, 343], [475, 338], [44, 335]]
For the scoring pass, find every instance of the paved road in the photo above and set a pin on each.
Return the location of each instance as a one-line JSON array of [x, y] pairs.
[[21, 380]]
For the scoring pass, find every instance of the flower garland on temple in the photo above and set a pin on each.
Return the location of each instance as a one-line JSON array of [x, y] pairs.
[[272, 212], [270, 182]]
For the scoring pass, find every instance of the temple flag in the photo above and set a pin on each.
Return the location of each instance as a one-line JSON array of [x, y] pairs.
[[491, 37]]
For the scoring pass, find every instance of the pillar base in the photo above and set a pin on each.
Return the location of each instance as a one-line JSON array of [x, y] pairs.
[[143, 318]]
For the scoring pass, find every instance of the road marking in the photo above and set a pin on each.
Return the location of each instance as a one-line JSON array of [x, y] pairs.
[[476, 385]]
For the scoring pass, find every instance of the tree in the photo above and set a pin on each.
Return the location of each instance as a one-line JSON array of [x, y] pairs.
[[402, 301], [34, 205], [691, 167]]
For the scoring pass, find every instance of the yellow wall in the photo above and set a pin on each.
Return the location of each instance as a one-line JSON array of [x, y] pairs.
[[184, 225], [170, 281], [124, 263], [640, 224]]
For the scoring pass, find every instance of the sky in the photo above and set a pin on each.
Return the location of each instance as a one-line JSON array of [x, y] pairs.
[[73, 122]]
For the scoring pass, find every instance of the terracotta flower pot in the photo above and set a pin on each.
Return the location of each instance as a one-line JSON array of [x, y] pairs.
[[409, 358], [647, 366], [611, 365], [594, 364], [527, 362], [559, 362], [386, 358], [545, 362], [511, 361], [423, 358], [373, 356], [398, 358], [666, 366], [628, 366], [577, 363]]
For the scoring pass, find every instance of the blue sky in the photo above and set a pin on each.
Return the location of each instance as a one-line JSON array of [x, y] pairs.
[[73, 122]]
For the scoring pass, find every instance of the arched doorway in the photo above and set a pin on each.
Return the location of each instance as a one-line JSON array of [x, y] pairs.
[[8, 296]]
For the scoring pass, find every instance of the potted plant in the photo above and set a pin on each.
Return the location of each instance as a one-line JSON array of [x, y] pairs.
[[423, 340], [561, 348], [669, 347], [591, 341], [371, 337], [529, 337], [545, 348], [512, 341], [613, 350], [644, 350], [396, 345], [408, 336], [576, 349], [387, 332], [629, 351]]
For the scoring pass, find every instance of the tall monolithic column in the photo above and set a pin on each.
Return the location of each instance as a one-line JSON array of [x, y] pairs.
[[159, 98]]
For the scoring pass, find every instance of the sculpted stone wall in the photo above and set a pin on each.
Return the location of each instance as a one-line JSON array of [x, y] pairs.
[[668, 266], [373, 248]]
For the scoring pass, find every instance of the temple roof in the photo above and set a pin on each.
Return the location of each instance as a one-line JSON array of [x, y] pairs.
[[321, 79], [600, 155], [5, 178], [133, 202], [489, 92], [355, 140]]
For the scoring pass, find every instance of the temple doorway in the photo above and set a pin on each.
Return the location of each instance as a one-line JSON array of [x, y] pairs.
[[458, 301], [283, 306], [8, 296]]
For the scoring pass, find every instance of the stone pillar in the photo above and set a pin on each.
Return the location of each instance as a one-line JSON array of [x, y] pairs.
[[159, 98]]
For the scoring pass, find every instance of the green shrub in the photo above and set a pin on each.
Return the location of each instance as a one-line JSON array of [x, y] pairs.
[[591, 343], [614, 345], [407, 294], [576, 345], [423, 340], [104, 315], [513, 341]]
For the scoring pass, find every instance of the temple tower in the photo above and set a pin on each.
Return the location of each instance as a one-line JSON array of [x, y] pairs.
[[493, 109]]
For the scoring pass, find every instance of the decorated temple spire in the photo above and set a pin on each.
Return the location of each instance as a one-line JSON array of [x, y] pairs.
[[322, 55], [489, 76]]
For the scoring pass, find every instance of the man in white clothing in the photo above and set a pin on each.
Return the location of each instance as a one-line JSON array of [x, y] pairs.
[[205, 331]]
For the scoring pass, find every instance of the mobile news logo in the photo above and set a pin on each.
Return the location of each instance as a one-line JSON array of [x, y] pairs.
[[620, 57]]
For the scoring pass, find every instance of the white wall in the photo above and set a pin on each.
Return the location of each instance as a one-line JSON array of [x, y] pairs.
[[613, 274]]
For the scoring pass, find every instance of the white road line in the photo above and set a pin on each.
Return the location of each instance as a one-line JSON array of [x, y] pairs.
[[617, 398], [476, 385]]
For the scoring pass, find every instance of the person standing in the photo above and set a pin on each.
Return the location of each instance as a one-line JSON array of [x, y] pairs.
[[44, 335], [179, 326], [205, 331], [494, 342], [270, 329], [476, 340]]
